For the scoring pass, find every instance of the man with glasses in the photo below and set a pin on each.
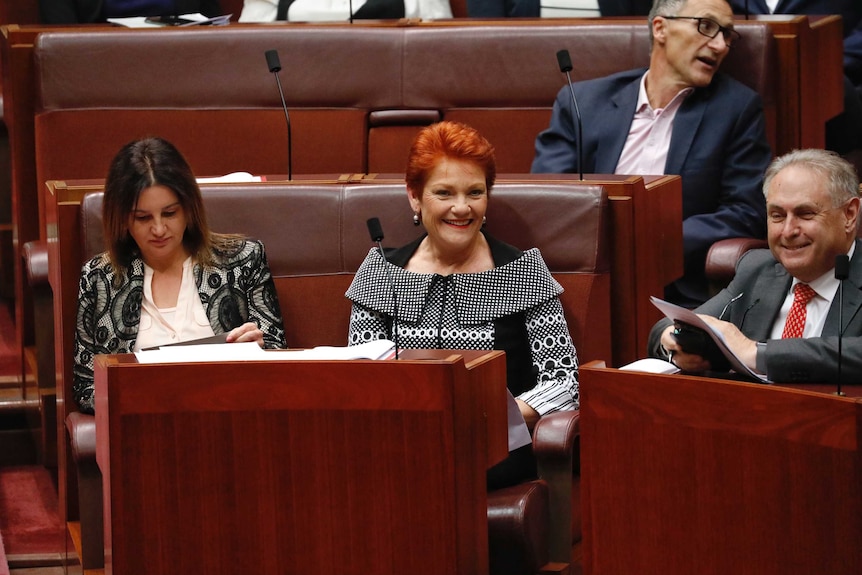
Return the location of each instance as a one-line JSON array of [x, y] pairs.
[[679, 116], [782, 307]]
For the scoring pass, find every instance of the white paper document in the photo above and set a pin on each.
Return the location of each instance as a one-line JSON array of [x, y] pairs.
[[676, 313], [231, 178], [246, 351], [651, 365], [196, 19], [379, 349]]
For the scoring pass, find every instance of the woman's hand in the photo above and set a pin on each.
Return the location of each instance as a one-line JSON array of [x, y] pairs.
[[246, 332]]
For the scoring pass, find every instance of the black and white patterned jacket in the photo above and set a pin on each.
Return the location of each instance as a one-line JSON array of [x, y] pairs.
[[238, 289], [514, 307]]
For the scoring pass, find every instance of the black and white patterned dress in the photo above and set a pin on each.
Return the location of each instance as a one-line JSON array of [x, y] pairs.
[[513, 307]]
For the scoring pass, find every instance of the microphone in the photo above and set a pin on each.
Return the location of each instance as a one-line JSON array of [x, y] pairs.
[[842, 272], [745, 313], [730, 303], [375, 230], [274, 65], [565, 62]]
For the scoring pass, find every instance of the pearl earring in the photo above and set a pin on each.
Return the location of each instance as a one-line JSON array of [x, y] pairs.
[[484, 220], [415, 219]]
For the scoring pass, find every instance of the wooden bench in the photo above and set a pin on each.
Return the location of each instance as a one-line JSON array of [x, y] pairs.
[[316, 237]]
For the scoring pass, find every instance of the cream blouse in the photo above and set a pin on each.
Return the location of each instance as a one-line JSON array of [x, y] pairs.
[[187, 321]]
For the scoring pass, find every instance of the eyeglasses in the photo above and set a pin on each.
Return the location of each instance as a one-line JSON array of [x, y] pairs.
[[710, 28]]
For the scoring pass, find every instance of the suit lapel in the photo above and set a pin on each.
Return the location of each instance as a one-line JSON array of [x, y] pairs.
[[783, 7], [685, 126], [852, 296], [772, 288], [616, 126]]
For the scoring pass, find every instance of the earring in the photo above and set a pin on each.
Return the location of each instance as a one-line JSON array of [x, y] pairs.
[[415, 219], [484, 220]]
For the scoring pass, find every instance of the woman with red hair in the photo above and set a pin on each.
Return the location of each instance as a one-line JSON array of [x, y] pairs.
[[460, 288]]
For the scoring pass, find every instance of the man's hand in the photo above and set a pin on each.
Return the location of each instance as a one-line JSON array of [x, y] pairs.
[[684, 361], [743, 347]]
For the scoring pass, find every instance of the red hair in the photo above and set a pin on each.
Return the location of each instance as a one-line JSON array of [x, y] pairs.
[[448, 140]]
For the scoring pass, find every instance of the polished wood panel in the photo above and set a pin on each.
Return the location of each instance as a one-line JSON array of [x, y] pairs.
[[361, 467], [810, 60], [692, 475]]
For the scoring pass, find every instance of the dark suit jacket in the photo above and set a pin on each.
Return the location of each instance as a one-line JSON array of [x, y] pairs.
[[764, 284], [89, 11], [718, 146], [625, 7], [849, 10]]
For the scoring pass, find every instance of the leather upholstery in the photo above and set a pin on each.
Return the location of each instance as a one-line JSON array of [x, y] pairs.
[[356, 95]]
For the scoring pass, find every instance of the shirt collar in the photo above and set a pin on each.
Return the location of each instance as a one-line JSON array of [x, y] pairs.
[[643, 105], [826, 285]]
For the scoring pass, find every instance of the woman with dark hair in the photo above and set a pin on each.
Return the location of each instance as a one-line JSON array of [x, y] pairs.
[[166, 278], [460, 288]]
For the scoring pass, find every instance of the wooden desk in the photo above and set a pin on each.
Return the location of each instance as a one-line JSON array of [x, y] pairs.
[[689, 475], [352, 467]]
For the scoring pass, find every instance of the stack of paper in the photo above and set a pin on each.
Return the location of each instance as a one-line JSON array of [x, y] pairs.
[[195, 19]]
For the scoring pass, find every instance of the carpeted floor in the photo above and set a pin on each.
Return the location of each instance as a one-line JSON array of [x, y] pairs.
[[29, 519]]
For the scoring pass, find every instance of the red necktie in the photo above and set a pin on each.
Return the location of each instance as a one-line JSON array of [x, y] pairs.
[[802, 294]]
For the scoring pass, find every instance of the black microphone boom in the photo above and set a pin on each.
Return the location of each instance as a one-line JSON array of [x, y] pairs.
[[375, 230], [842, 272], [565, 62], [274, 65]]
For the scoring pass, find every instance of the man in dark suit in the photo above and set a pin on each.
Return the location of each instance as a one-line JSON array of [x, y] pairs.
[[503, 8], [625, 7], [812, 203], [678, 117]]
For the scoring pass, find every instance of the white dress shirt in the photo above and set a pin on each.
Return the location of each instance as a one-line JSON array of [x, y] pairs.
[[826, 286]]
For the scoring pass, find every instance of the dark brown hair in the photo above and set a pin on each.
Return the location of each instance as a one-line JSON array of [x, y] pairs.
[[139, 165]]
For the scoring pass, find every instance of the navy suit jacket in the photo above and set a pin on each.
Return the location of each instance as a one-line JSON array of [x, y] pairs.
[[849, 10], [764, 284], [718, 146]]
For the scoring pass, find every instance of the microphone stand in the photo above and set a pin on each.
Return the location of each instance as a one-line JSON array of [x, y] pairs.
[[842, 272], [565, 63], [350, 19], [375, 230], [274, 64]]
